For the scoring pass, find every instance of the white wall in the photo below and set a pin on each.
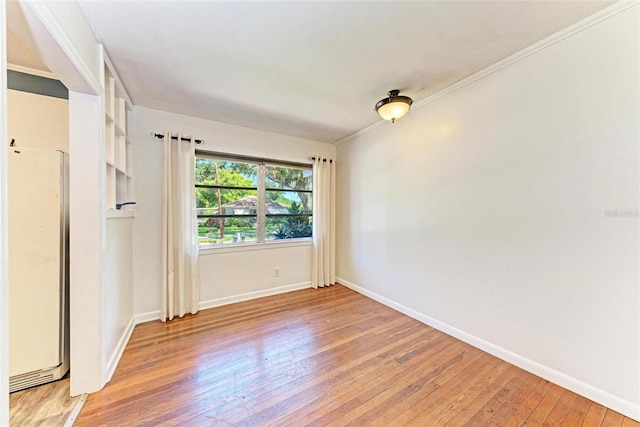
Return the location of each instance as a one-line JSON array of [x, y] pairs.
[[490, 212], [225, 276], [118, 290], [38, 121], [87, 243]]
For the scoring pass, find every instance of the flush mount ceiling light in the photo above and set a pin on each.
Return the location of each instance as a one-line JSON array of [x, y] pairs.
[[393, 107]]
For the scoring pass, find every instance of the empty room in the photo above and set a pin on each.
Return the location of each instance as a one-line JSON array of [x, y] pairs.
[[314, 213]]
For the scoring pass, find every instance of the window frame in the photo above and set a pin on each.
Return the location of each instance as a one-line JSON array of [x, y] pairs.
[[261, 214]]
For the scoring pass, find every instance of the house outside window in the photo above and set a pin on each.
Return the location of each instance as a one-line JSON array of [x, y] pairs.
[[249, 200]]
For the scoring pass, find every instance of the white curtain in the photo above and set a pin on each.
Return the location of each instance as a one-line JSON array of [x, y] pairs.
[[180, 269], [324, 231]]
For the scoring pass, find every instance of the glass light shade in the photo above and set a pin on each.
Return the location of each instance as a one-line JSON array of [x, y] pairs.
[[393, 110], [393, 107]]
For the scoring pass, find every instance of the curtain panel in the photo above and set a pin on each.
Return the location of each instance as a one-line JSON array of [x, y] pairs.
[[180, 269], [324, 242]]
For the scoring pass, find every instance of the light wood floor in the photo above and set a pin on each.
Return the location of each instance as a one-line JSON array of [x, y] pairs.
[[45, 405], [322, 357]]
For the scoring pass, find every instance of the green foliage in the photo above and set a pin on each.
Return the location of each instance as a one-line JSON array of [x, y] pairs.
[[238, 174], [208, 197], [294, 226], [210, 234], [217, 172]]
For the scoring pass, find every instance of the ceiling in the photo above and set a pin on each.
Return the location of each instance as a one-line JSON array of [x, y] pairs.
[[310, 69], [19, 54]]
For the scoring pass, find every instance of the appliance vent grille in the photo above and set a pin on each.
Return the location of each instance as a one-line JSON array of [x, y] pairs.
[[30, 379]]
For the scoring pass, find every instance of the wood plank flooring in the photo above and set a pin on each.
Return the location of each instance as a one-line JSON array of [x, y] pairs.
[[45, 405], [327, 357]]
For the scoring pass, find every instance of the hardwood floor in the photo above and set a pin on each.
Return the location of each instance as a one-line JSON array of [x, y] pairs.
[[45, 405], [319, 358]]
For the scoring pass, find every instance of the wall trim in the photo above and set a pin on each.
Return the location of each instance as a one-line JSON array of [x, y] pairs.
[[32, 71], [217, 302], [41, 10], [557, 37], [625, 407], [148, 316], [119, 350]]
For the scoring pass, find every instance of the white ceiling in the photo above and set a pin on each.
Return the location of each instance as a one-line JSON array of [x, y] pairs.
[[310, 69]]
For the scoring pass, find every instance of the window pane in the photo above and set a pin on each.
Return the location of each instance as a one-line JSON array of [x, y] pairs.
[[288, 202], [223, 172], [288, 178], [229, 215], [227, 231], [288, 227], [226, 202]]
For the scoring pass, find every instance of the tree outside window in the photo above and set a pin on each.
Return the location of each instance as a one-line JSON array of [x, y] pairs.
[[240, 201]]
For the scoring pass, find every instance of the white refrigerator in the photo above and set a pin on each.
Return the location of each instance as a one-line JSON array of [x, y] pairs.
[[38, 267]]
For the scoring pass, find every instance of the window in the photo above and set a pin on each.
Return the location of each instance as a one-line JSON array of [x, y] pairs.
[[241, 200]]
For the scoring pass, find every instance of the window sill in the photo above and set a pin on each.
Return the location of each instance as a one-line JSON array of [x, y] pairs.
[[243, 247]]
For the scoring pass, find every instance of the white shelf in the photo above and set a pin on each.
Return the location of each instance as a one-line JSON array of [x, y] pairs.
[[118, 144], [115, 213]]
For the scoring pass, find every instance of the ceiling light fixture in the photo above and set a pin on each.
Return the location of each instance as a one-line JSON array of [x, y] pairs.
[[393, 107]]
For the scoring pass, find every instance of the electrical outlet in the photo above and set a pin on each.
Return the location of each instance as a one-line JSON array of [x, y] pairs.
[[276, 272]]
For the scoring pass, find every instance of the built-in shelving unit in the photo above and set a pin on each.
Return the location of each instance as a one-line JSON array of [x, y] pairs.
[[118, 144]]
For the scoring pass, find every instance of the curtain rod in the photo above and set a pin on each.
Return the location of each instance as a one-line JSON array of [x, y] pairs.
[[159, 135], [324, 160]]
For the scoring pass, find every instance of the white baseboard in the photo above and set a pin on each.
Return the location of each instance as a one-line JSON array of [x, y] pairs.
[[117, 352], [252, 295], [217, 302], [625, 407], [149, 316]]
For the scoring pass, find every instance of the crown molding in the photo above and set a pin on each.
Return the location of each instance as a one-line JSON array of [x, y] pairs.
[[569, 31], [32, 71], [360, 133]]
